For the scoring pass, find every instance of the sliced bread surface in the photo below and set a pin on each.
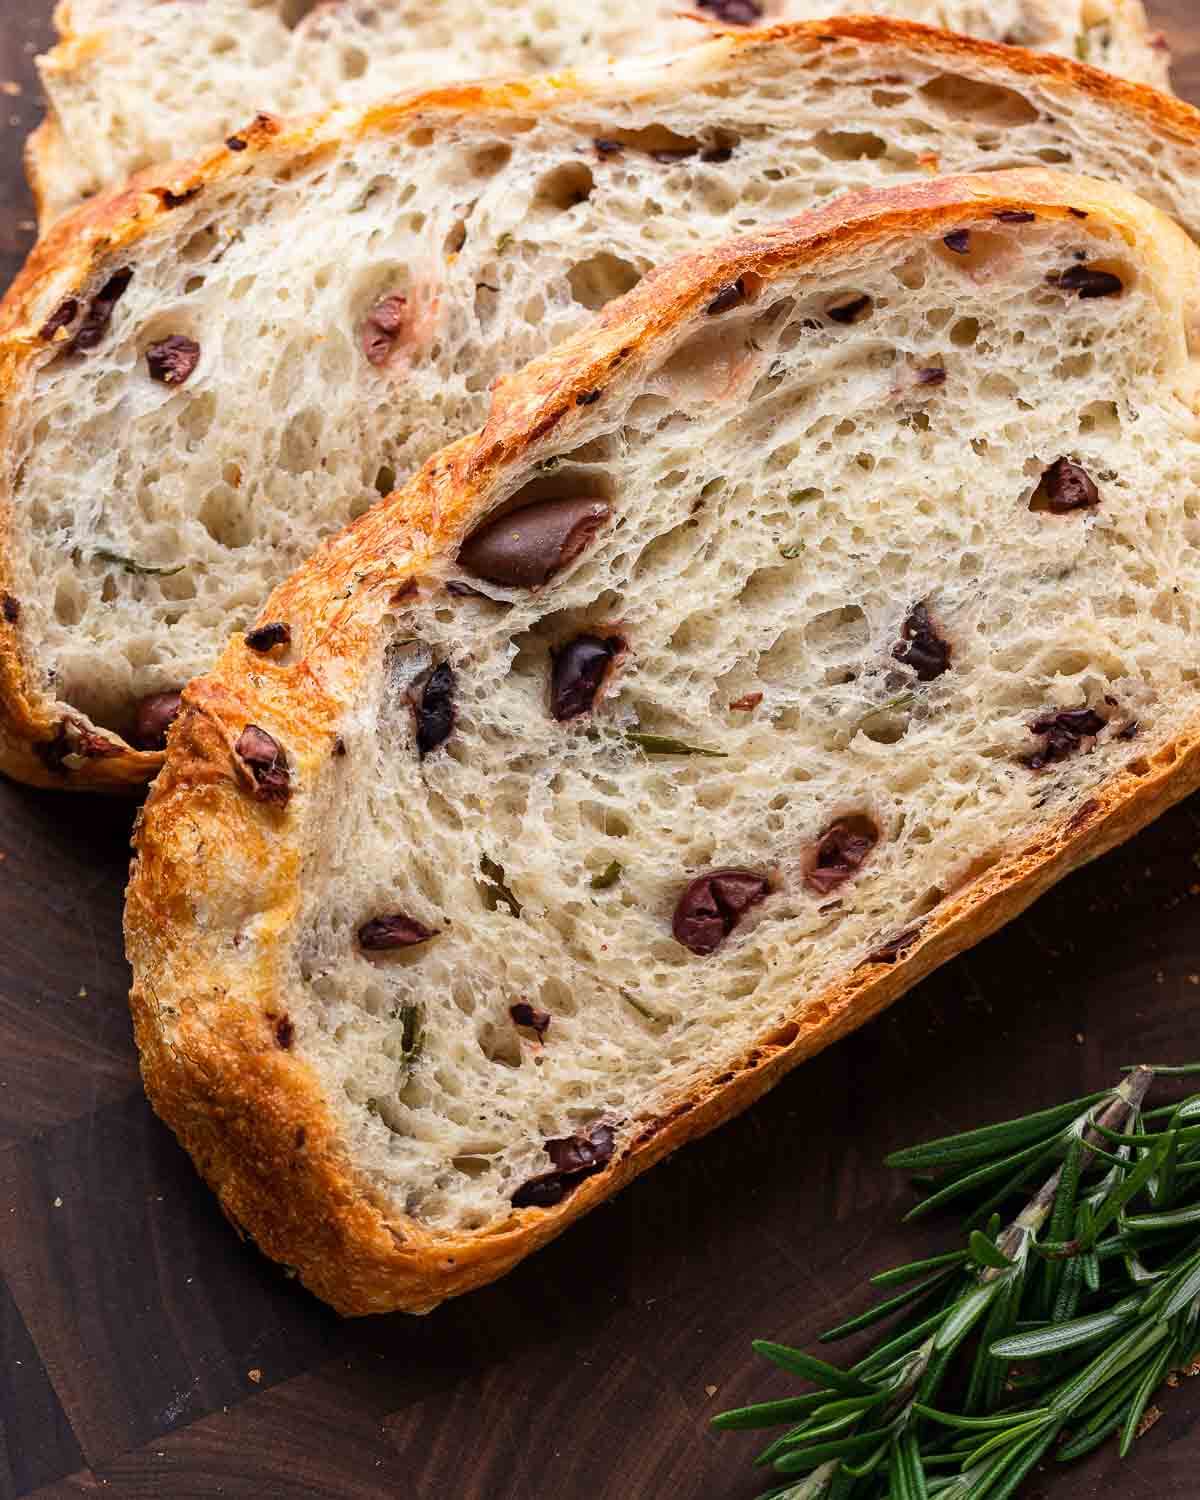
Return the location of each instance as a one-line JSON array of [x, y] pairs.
[[205, 375], [135, 82], [778, 637]]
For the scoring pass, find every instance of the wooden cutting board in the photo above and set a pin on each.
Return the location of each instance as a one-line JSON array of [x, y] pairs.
[[146, 1355]]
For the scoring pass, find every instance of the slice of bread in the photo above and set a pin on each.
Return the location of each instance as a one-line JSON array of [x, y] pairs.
[[778, 637], [134, 82], [210, 372]]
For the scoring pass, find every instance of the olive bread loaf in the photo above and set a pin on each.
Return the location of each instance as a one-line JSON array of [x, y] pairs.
[[779, 635], [208, 373], [134, 82]]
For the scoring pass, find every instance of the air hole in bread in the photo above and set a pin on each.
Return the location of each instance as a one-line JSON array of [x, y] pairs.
[[564, 188], [69, 602], [500, 1044], [603, 276], [1100, 416], [292, 12], [969, 99], [200, 246], [965, 332], [847, 145], [714, 365], [300, 442], [197, 415], [472, 1166], [661, 142], [888, 726], [1076, 367], [974, 250], [223, 515], [354, 62]]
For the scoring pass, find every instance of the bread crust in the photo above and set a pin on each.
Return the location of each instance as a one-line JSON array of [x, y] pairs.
[[252, 1114], [81, 250]]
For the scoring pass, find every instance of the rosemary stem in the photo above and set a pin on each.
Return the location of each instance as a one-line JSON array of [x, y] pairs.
[[1127, 1099]]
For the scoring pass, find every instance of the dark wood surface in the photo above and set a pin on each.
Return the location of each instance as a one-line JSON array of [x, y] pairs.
[[146, 1355]]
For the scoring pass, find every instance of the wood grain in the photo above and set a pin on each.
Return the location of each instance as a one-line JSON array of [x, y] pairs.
[[146, 1354]]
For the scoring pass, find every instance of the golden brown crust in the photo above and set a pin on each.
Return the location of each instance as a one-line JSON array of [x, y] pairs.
[[89, 243], [251, 1113]]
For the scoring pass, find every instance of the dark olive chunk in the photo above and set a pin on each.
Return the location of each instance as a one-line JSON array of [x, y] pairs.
[[712, 906], [1087, 282], [526, 547], [578, 673], [155, 715], [397, 930], [432, 698], [921, 646], [524, 1014], [1063, 733], [173, 359], [1064, 487], [267, 764], [575, 1157], [266, 637], [841, 852]]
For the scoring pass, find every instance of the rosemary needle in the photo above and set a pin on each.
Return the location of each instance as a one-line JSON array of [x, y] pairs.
[[1052, 1333]]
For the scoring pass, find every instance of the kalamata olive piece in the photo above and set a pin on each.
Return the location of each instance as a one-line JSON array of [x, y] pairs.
[[524, 1014], [525, 548], [266, 637], [841, 851], [711, 907], [1087, 282], [172, 360], [579, 670], [575, 1157], [1064, 732], [1065, 486], [155, 715], [921, 646], [432, 698], [267, 764], [396, 930]]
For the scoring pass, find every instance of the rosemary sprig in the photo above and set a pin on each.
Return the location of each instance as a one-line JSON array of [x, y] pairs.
[[1050, 1333]]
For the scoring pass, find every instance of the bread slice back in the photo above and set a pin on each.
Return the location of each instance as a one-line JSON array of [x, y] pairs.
[[890, 548], [133, 82], [151, 507]]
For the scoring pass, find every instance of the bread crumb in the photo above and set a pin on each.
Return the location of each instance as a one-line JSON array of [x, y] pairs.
[[255, 1375], [11, 88], [1079, 1037], [710, 1390], [82, 992], [58, 1203], [1149, 1417]]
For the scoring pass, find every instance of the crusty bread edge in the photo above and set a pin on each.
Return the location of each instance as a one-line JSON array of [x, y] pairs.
[[251, 1113]]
